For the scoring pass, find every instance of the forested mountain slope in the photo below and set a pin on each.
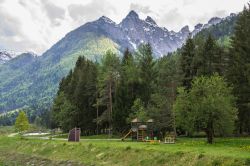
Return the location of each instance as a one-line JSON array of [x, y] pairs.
[[33, 80]]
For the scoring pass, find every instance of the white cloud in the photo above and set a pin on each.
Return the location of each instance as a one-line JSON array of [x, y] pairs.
[[54, 13], [90, 11], [140, 8], [35, 25]]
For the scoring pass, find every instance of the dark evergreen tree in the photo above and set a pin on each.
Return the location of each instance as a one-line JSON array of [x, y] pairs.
[[147, 72], [108, 78], [161, 104], [186, 63], [126, 91], [209, 57], [239, 68], [73, 106]]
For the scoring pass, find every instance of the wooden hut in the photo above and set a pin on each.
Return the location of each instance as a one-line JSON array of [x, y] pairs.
[[74, 135]]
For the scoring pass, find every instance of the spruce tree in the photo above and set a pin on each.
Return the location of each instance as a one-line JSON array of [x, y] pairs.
[[125, 91], [161, 104], [186, 63], [22, 123], [108, 78], [73, 105], [239, 68], [147, 72]]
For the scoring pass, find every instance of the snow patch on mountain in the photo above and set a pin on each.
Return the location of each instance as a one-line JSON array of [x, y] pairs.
[[7, 55]]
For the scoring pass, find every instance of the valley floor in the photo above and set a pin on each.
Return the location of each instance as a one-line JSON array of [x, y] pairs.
[[187, 151]]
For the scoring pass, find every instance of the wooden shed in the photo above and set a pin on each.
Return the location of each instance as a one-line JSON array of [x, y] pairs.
[[74, 135]]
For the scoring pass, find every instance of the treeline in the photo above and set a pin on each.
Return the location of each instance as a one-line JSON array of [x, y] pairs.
[[110, 93], [107, 95], [38, 115]]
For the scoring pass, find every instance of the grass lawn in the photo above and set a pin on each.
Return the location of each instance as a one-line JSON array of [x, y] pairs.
[[187, 151]]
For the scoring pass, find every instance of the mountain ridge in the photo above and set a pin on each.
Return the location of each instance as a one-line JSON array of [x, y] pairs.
[[31, 80]]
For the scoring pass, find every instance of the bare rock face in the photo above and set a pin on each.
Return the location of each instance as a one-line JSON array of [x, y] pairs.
[[6, 55], [133, 31]]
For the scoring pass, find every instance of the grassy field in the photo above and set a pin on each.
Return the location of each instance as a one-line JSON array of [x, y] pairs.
[[187, 151]]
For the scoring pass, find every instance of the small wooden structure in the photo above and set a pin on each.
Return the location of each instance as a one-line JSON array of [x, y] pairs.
[[74, 135], [140, 131], [169, 139]]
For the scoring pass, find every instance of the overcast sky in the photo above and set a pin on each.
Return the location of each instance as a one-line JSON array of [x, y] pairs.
[[35, 25]]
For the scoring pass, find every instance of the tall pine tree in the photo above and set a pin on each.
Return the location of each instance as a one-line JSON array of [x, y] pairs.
[[108, 77], [73, 105], [239, 68], [126, 91], [186, 63], [147, 72]]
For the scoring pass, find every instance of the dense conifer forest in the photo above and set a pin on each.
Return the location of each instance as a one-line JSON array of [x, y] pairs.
[[107, 95]]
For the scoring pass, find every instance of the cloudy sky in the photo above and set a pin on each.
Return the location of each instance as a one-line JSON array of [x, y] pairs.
[[35, 25]]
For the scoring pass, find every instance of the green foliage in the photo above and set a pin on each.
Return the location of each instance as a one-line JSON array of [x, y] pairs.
[[138, 111], [224, 29], [22, 123], [161, 112], [191, 152], [118, 92], [126, 90], [186, 62], [34, 80], [147, 72], [73, 106], [239, 68], [108, 78], [38, 121], [208, 106], [161, 103], [64, 113], [209, 57]]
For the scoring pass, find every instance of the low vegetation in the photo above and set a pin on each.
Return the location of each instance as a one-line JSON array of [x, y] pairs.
[[187, 151]]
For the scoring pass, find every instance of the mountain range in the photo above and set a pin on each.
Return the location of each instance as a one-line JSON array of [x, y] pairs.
[[6, 55], [28, 79]]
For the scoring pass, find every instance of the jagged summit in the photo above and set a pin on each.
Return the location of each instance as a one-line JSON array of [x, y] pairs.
[[6, 55], [133, 31], [39, 76], [150, 20], [132, 14], [214, 20], [198, 26], [185, 29], [106, 19]]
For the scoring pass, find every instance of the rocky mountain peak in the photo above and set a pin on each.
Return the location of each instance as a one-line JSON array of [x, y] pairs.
[[198, 26], [106, 19], [6, 55], [132, 14], [214, 20], [185, 29], [150, 21]]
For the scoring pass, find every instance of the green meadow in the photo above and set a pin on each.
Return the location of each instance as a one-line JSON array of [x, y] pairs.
[[186, 151]]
